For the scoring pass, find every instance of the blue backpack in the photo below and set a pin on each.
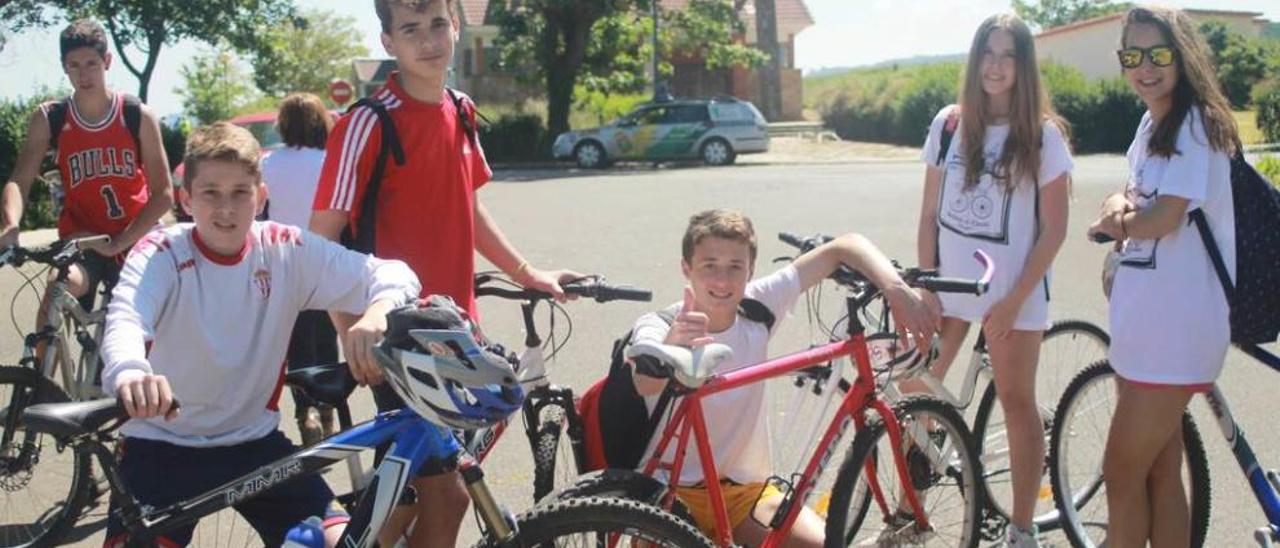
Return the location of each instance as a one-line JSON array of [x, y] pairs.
[[1254, 298]]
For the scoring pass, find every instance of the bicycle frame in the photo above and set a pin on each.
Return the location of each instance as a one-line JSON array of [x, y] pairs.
[[688, 418], [78, 376], [414, 440], [1264, 483]]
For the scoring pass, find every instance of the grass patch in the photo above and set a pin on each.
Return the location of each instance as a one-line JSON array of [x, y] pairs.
[[1247, 122]]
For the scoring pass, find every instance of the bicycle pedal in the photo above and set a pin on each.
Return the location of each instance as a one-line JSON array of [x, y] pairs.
[[1266, 536]]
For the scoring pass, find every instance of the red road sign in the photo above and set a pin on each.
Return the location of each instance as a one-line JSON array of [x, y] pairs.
[[340, 92]]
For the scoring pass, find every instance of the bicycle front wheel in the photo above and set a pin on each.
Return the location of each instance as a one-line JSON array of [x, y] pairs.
[[1068, 346], [44, 485], [1077, 445], [600, 521], [943, 467]]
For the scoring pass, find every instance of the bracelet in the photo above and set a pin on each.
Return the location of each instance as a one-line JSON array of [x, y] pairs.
[[1124, 231], [519, 269]]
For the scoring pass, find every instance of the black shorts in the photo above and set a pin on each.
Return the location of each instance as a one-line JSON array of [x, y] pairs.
[[158, 474], [98, 270], [313, 342], [386, 399]]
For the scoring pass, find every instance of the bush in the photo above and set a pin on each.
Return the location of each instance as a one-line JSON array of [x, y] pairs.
[[515, 137], [14, 115], [896, 105], [1269, 167], [1267, 101], [174, 139]]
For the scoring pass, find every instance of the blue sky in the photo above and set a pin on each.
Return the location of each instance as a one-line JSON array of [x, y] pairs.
[[847, 33]]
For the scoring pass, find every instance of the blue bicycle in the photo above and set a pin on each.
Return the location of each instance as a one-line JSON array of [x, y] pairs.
[[1079, 436], [448, 381]]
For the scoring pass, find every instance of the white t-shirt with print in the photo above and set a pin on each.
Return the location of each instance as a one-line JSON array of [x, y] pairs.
[[1169, 315], [291, 175], [737, 421], [987, 218]]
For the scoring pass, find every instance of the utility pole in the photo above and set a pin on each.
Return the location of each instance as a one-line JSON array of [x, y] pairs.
[[771, 73]]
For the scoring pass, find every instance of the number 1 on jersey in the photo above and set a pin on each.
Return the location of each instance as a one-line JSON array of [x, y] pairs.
[[114, 211]]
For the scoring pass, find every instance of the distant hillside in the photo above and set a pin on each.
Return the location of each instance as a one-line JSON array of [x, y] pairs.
[[1272, 30], [906, 62]]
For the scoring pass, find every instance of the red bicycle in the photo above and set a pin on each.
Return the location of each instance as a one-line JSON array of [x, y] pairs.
[[931, 494]]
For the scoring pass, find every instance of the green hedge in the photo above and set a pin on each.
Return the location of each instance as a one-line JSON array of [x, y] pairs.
[[515, 138], [1267, 101], [1269, 167], [895, 105]]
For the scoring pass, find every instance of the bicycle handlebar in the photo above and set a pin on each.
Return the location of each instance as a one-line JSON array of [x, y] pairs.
[[1100, 238], [915, 277], [57, 254], [591, 287]]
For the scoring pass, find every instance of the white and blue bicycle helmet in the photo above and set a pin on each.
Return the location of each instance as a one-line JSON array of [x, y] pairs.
[[433, 360]]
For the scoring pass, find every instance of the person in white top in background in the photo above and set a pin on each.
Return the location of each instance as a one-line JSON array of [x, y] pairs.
[[1169, 317], [202, 313], [1002, 187], [291, 175]]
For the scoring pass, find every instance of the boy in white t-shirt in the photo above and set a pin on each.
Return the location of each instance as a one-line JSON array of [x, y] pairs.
[[203, 312], [719, 253]]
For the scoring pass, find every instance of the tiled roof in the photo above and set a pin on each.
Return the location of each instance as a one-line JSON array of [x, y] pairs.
[[473, 11]]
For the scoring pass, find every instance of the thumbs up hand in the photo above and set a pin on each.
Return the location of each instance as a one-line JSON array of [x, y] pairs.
[[689, 328]]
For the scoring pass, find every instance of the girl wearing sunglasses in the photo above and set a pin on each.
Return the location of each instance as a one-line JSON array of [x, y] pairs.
[[1168, 320], [1000, 186]]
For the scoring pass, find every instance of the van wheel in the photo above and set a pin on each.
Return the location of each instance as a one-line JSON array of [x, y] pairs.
[[590, 155], [717, 152]]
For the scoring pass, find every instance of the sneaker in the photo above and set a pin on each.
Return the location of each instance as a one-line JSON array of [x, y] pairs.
[[1017, 537]]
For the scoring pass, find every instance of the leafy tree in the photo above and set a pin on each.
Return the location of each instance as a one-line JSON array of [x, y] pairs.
[[150, 25], [603, 45], [1047, 14], [306, 53], [1240, 62], [215, 86]]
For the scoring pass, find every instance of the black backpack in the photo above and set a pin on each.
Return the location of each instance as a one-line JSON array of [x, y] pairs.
[[1254, 298], [617, 423], [363, 236], [56, 113]]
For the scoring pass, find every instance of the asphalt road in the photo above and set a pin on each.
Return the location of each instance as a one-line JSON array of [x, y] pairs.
[[627, 224]]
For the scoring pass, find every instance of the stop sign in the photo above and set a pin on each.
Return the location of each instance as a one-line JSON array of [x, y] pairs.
[[339, 92]]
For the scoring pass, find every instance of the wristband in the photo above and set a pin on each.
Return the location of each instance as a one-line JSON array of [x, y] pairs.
[[1124, 231]]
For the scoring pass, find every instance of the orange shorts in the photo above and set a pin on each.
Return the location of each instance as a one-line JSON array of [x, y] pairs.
[[738, 501]]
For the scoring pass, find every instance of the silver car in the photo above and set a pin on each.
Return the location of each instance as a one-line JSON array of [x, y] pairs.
[[715, 130]]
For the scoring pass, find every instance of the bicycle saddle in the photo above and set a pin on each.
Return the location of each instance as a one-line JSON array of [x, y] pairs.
[[330, 383], [68, 420], [691, 367]]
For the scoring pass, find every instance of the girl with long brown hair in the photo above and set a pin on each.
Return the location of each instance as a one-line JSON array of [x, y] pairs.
[[1000, 186], [1168, 318]]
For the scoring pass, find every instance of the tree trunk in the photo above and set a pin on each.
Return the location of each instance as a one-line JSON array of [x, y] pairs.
[[770, 80], [155, 41], [565, 46]]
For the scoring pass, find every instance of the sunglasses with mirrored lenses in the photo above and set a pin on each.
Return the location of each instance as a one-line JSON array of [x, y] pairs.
[[1160, 56]]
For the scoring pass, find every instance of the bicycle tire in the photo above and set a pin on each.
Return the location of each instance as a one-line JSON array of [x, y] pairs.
[[553, 460], [1089, 343], [1071, 499], [52, 524], [619, 483], [962, 472], [546, 524]]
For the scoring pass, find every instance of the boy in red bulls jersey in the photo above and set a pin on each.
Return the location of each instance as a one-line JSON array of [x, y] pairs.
[[114, 172], [427, 214]]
